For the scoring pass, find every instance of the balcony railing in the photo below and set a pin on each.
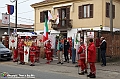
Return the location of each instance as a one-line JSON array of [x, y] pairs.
[[65, 24]]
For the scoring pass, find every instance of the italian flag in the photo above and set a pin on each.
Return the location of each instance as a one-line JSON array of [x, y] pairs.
[[45, 35]]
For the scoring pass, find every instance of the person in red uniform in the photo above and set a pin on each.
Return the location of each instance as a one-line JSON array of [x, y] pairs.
[[92, 59], [15, 55], [81, 60], [48, 51], [32, 54], [21, 52], [37, 55], [70, 49]]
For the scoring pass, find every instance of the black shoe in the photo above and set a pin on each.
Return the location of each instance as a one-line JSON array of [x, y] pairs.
[[103, 65], [61, 63], [68, 62], [77, 66], [58, 62], [89, 75], [93, 76], [23, 63], [20, 63], [65, 61], [82, 73], [32, 65], [85, 72], [73, 62]]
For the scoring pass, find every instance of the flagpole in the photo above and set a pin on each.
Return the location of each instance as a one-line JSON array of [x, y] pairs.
[[9, 26]]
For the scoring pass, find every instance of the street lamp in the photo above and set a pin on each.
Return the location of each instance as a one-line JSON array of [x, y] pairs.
[[15, 13]]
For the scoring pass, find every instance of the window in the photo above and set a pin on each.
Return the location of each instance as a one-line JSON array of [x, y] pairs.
[[85, 11], [64, 15], [108, 10], [43, 14]]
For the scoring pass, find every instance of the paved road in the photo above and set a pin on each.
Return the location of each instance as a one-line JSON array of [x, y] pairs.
[[39, 73], [54, 71]]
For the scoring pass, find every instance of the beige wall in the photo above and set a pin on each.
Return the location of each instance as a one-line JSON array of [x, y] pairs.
[[88, 22], [99, 15], [38, 25], [116, 20]]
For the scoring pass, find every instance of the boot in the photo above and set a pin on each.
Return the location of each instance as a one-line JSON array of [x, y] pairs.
[[89, 74], [93, 76]]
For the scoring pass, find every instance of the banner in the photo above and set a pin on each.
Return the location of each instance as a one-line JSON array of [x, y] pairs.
[[5, 18], [12, 41], [90, 34], [39, 40], [52, 39], [26, 54]]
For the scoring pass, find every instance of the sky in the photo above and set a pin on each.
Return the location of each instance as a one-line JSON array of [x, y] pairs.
[[25, 11]]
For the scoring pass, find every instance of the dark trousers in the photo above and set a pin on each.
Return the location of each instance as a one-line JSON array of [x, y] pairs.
[[73, 55], [103, 56], [66, 55]]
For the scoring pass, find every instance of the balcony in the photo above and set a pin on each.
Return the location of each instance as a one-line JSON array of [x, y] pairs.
[[64, 24]]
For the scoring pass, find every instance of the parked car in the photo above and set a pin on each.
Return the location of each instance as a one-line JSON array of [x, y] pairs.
[[5, 53]]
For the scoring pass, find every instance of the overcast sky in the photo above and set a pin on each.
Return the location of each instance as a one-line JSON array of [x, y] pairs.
[[25, 11]]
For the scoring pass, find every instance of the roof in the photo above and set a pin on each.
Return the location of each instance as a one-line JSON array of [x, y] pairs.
[[48, 2], [18, 25]]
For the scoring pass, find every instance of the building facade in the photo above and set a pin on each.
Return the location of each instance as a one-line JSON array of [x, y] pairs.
[[76, 15]]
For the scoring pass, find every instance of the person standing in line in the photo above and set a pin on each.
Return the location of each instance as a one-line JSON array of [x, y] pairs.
[[60, 52], [103, 47], [92, 58], [32, 54], [81, 60], [66, 47]]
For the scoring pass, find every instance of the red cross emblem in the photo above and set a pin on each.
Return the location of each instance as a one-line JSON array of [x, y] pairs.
[[13, 41], [40, 40], [26, 52], [6, 18]]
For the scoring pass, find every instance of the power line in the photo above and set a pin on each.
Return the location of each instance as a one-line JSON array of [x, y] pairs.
[[3, 7], [22, 18], [23, 1], [26, 12], [18, 3]]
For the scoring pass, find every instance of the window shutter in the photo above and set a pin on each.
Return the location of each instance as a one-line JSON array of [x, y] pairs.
[[41, 17], [80, 12], [60, 17], [113, 11], [107, 9], [67, 15], [91, 10]]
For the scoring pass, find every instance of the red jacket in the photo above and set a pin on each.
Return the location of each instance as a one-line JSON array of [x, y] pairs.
[[81, 51], [20, 48], [91, 52], [48, 48], [32, 50]]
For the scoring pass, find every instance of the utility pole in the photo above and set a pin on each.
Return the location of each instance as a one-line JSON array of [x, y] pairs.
[[15, 13], [111, 16]]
